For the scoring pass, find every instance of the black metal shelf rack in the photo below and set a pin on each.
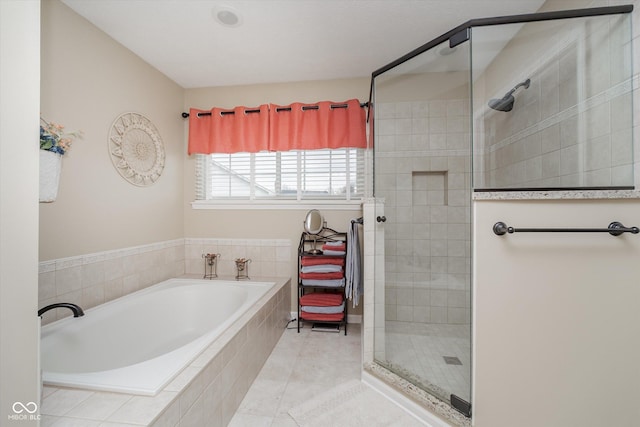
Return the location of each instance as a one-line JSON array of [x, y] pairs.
[[306, 248]]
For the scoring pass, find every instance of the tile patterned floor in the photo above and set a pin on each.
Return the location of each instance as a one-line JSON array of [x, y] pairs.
[[301, 366], [424, 348]]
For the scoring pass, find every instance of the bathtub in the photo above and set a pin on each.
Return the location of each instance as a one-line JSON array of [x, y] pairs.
[[138, 343]]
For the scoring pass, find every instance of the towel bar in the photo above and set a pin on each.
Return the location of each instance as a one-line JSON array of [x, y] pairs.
[[615, 229]]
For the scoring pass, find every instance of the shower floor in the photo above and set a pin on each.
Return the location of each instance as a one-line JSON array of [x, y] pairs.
[[436, 357]]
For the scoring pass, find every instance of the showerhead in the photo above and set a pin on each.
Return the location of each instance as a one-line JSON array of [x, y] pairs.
[[506, 103]]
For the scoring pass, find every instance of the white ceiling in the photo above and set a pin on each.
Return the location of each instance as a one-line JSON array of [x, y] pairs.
[[281, 40]]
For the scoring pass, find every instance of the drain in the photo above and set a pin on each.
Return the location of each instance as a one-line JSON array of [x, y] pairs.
[[451, 360]]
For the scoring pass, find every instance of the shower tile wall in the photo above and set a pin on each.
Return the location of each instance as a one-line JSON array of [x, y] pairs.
[[93, 279], [566, 130], [423, 173]]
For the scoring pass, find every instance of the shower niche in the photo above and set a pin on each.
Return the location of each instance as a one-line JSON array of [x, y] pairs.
[[524, 103]]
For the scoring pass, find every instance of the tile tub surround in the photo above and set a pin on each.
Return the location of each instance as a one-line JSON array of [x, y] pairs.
[[269, 257], [93, 279], [207, 392]]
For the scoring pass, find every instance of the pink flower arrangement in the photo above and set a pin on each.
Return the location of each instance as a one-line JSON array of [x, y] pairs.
[[54, 138]]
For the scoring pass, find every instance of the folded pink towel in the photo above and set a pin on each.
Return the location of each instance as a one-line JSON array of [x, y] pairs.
[[308, 260], [328, 247], [323, 276], [320, 317], [321, 299]]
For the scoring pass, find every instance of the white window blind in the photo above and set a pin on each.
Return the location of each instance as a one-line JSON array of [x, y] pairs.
[[336, 174]]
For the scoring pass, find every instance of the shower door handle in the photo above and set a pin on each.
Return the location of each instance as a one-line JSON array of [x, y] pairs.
[[381, 219]]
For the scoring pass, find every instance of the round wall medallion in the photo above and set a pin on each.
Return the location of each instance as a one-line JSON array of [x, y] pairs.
[[136, 149]]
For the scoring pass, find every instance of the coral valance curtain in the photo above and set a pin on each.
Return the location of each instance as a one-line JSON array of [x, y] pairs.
[[278, 128], [229, 131]]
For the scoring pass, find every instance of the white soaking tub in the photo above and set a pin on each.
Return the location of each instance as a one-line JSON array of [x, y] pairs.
[[138, 343]]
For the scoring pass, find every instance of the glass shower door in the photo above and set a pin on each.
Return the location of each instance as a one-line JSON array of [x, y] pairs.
[[544, 102], [423, 195]]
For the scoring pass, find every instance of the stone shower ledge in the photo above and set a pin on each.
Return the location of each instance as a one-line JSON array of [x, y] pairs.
[[557, 195], [427, 401]]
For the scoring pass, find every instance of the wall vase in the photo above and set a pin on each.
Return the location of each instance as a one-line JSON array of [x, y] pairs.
[[50, 166]]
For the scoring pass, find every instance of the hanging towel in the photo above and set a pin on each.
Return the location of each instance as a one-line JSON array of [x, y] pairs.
[[354, 283], [322, 268]]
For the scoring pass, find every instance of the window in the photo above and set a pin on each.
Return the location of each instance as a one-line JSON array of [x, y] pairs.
[[326, 174]]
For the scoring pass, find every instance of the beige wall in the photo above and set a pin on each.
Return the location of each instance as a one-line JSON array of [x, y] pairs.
[[88, 80], [257, 223], [516, 58], [556, 316], [425, 85], [19, 333]]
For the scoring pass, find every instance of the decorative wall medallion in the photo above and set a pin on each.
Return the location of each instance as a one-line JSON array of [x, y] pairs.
[[136, 149]]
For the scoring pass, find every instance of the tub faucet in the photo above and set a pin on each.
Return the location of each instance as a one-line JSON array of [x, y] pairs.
[[77, 311]]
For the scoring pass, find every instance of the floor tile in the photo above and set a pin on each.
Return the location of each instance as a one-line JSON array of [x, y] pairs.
[[301, 366], [263, 397], [248, 420], [425, 351]]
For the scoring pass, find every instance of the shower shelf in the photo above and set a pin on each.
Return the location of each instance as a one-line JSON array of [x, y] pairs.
[[314, 292]]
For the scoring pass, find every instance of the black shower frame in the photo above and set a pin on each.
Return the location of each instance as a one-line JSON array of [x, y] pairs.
[[461, 34]]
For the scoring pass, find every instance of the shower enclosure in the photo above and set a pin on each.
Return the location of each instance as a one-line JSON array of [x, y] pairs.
[[528, 102]]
